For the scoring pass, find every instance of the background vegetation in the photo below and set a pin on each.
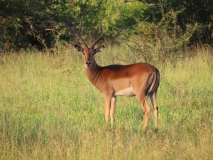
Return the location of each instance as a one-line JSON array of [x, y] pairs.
[[167, 25]]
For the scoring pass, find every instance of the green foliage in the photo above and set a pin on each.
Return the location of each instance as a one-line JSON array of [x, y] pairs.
[[43, 23], [181, 15], [168, 29], [169, 25], [33, 23]]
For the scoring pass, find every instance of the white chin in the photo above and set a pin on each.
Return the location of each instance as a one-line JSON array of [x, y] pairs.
[[86, 66]]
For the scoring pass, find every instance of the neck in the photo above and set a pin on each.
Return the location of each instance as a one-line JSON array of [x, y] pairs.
[[93, 73]]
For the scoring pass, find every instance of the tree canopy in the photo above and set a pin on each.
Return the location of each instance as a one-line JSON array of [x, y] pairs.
[[42, 24]]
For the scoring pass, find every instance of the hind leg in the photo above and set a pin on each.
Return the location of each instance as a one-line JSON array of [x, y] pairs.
[[147, 110], [154, 104]]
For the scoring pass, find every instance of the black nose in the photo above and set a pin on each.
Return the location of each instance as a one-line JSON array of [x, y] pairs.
[[88, 63]]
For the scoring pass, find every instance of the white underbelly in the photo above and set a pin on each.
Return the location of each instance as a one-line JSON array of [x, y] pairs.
[[125, 92]]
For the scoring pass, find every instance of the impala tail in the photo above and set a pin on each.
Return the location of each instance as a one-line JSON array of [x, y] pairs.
[[155, 83]]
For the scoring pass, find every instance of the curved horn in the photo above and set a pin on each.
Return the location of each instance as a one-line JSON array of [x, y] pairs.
[[101, 37], [79, 36]]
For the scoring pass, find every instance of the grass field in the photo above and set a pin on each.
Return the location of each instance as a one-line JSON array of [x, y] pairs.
[[49, 110]]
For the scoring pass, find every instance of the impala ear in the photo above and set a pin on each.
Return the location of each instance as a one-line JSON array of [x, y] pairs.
[[79, 48], [99, 49]]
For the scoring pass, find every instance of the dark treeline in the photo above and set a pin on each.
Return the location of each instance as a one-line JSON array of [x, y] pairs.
[[43, 24]]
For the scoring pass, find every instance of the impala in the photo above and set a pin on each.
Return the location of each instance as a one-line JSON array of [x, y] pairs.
[[139, 79]]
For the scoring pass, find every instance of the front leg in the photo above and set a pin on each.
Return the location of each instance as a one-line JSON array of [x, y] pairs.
[[107, 107], [112, 110], [110, 103]]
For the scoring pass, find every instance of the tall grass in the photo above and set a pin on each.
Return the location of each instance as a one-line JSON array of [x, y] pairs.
[[49, 110]]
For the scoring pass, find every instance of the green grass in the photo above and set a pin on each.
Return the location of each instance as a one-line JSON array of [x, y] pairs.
[[49, 110]]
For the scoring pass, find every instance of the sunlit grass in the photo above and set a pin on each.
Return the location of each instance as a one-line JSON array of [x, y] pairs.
[[49, 110]]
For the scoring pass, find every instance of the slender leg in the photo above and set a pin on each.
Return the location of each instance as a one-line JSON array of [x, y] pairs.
[[146, 109], [154, 104], [112, 110], [147, 113], [107, 107]]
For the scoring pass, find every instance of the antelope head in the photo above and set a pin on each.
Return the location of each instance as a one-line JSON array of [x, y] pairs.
[[89, 52]]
